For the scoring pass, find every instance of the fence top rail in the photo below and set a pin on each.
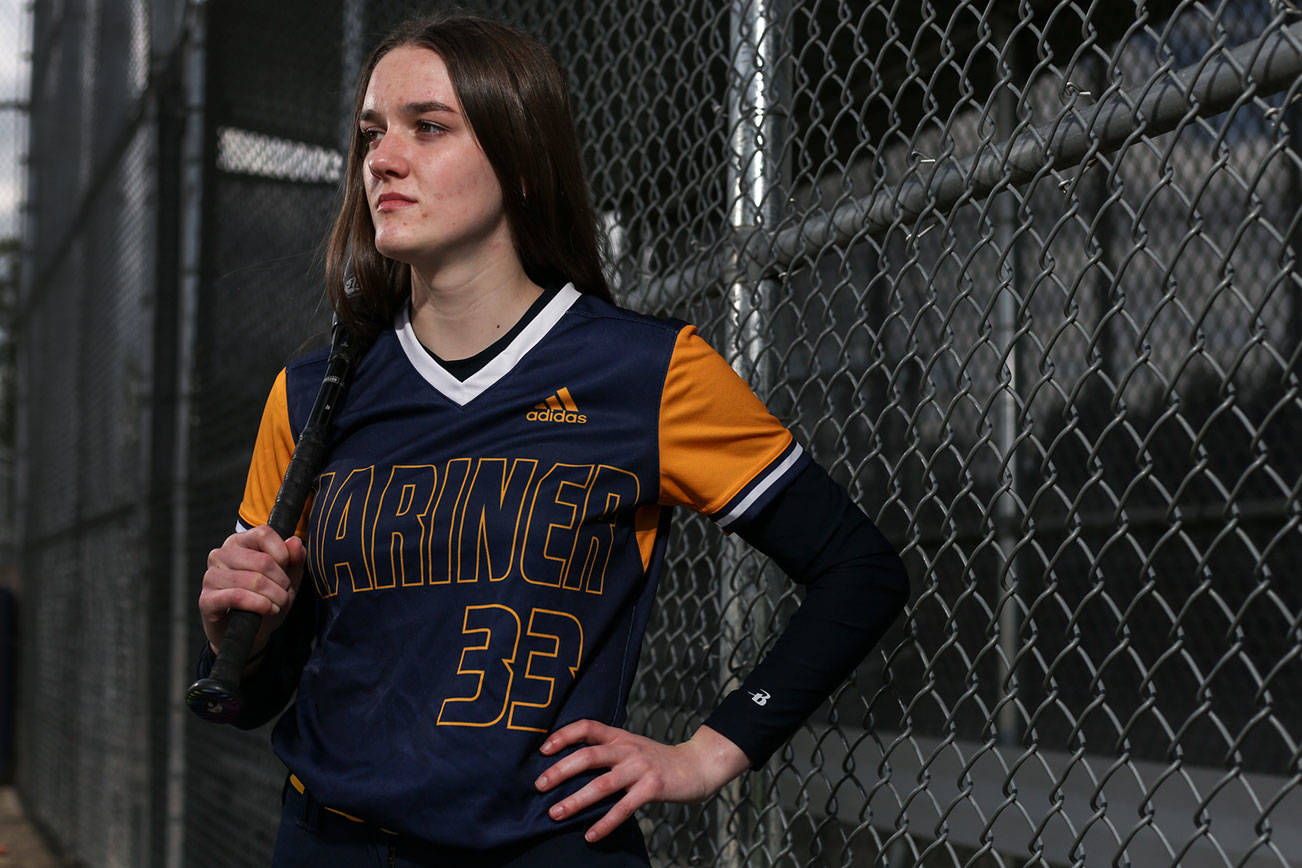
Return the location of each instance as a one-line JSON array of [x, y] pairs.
[[1262, 67]]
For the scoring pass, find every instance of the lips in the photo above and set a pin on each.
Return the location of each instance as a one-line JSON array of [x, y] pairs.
[[392, 202]]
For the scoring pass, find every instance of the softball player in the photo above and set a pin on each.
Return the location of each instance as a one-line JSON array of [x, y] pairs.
[[462, 609]]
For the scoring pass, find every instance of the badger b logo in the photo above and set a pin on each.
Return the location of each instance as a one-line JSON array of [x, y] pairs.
[[559, 407]]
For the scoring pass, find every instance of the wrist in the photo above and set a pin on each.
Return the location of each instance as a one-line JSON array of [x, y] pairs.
[[719, 758]]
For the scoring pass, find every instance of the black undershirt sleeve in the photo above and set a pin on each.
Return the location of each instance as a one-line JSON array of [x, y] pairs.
[[856, 587]]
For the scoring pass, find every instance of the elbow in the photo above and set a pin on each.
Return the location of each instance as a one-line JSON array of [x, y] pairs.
[[893, 579], [887, 567]]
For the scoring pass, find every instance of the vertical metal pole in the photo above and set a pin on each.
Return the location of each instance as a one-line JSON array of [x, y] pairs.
[[1292, 120], [1005, 406], [87, 803], [354, 21], [755, 189], [1104, 236], [25, 361], [191, 240]]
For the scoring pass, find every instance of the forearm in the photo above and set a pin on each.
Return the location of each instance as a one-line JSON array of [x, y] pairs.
[[822, 644], [857, 587]]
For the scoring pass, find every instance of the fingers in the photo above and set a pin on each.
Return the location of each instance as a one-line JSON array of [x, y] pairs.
[[297, 560], [253, 548], [579, 732], [264, 599], [242, 574], [643, 768], [255, 571], [580, 761], [639, 793], [633, 763], [616, 816], [297, 551], [255, 560], [599, 754], [628, 775], [641, 783]]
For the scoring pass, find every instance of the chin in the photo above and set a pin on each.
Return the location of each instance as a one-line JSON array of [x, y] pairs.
[[392, 249]]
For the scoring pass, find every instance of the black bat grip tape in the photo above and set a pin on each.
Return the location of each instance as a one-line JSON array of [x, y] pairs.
[[217, 698], [237, 644]]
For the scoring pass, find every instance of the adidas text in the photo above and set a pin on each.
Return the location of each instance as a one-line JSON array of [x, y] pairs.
[[550, 415]]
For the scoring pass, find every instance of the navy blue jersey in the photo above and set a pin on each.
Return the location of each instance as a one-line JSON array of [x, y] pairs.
[[486, 553]]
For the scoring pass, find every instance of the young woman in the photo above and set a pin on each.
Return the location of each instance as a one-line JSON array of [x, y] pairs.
[[484, 544]]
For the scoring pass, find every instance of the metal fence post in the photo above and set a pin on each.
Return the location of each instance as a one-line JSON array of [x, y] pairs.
[[353, 53], [755, 191], [1006, 508], [167, 592], [1292, 121], [191, 248], [1105, 267]]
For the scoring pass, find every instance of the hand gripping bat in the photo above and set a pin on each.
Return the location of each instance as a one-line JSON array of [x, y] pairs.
[[217, 697]]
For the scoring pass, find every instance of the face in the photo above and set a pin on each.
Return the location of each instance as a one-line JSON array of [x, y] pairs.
[[434, 199]]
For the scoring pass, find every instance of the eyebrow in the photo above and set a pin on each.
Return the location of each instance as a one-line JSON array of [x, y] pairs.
[[411, 108]]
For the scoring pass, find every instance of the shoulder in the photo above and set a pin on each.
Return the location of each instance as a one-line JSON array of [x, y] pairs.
[[307, 362], [619, 335], [603, 313], [306, 369], [303, 374]]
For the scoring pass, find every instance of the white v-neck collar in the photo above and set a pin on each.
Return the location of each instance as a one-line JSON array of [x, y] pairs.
[[462, 392]]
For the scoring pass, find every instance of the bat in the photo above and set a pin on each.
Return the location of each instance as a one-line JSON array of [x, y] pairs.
[[217, 698]]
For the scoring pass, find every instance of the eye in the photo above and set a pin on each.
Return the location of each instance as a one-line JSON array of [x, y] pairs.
[[371, 135], [430, 127]]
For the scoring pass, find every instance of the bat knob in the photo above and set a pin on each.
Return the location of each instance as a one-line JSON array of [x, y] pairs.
[[213, 700]]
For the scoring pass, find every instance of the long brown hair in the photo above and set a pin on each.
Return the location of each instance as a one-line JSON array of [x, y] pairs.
[[514, 96]]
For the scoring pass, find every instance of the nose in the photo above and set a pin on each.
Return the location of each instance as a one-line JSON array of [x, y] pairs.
[[385, 159]]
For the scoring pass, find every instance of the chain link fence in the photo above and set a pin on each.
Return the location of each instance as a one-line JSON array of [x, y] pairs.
[[13, 135], [1023, 276]]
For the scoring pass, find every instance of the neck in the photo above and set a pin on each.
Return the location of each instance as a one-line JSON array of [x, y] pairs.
[[458, 315]]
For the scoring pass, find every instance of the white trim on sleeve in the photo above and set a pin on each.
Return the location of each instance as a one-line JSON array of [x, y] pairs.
[[769, 479]]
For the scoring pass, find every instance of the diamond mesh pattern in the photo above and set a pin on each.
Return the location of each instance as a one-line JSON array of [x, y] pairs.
[[1023, 276]]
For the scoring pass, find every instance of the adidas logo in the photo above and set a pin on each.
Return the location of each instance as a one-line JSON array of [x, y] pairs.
[[560, 407]]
